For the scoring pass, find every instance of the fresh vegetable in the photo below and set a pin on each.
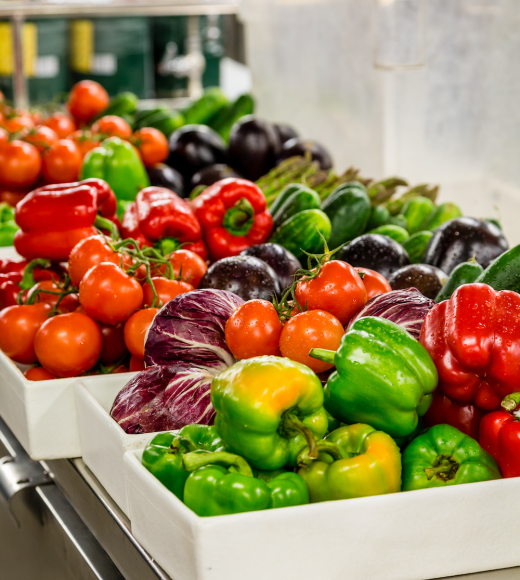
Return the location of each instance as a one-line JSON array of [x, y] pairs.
[[383, 377], [41, 137], [267, 409], [415, 246], [397, 233], [190, 329], [373, 282], [302, 147], [445, 456], [152, 146], [211, 174], [442, 214], [85, 141], [163, 291], [461, 239], [112, 126], [287, 192], [135, 330], [87, 100], [466, 418], [379, 216], [117, 162], [20, 164], [113, 347], [302, 199], [416, 212], [201, 111], [88, 253], [188, 266], [473, 339], [122, 104], [233, 216], [8, 231], [503, 273], [499, 435], [224, 120], [348, 208], [283, 262], [429, 280], [379, 253], [161, 175], [355, 461], [38, 374], [464, 273], [285, 132], [61, 124]]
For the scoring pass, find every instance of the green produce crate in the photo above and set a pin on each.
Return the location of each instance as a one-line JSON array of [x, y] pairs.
[[115, 52], [45, 58]]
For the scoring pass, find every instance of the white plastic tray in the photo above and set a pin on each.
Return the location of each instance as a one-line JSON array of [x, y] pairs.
[[405, 536]]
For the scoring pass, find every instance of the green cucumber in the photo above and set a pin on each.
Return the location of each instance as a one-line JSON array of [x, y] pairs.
[[465, 273], [301, 233], [417, 211], [224, 121], [397, 233], [141, 115], [297, 202], [201, 111], [504, 272], [416, 244], [348, 208], [444, 213], [398, 220], [378, 217], [122, 104], [285, 194]]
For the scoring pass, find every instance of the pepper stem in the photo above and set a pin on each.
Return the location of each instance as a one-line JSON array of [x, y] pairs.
[[328, 356], [446, 469], [193, 461], [28, 274], [291, 423], [511, 402], [332, 449], [238, 220], [102, 223], [182, 442]]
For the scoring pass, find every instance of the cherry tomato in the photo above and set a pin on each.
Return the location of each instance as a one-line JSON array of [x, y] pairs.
[[307, 330], [87, 253], [166, 290], [17, 123], [62, 162], [4, 136], [374, 282], [67, 345], [189, 266], [152, 145], [18, 327], [337, 289], [136, 364], [20, 164], [85, 141], [68, 303], [61, 124], [87, 100], [38, 374], [41, 137], [136, 328], [254, 329], [113, 347], [112, 126], [108, 294]]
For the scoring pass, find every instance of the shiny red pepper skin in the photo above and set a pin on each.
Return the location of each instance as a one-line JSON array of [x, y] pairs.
[[55, 246], [212, 208], [474, 341]]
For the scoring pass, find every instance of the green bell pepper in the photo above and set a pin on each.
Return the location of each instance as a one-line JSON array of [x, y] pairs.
[[267, 409], [7, 232], [384, 377], [223, 483], [163, 454], [354, 461], [445, 456], [118, 163]]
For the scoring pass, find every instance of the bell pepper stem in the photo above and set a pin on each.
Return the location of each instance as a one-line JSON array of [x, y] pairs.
[[328, 447], [328, 356], [102, 223], [238, 220], [511, 402], [447, 469], [28, 274], [182, 442], [291, 423], [193, 461]]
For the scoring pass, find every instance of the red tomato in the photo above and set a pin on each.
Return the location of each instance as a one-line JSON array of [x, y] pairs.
[[152, 145], [41, 137], [87, 100], [108, 294], [337, 289], [61, 124], [4, 136], [12, 197], [136, 364], [67, 304], [62, 162], [166, 290], [307, 330], [88, 253], [188, 266], [112, 126], [18, 327], [254, 329], [136, 328], [68, 345], [16, 124], [85, 141], [20, 164], [113, 348], [38, 374], [374, 282]]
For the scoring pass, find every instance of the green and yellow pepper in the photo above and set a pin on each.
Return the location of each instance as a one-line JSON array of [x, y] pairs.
[[267, 409], [384, 377], [445, 456], [117, 162], [354, 461]]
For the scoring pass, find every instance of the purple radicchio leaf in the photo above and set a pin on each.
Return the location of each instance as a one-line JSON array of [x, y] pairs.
[[407, 308], [190, 329], [162, 398]]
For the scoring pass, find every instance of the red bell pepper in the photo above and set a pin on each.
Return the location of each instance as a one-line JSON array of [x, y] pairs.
[[158, 214], [474, 341], [500, 436], [233, 215]]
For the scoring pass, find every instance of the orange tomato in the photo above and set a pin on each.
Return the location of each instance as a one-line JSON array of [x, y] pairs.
[[136, 328], [41, 137], [87, 100], [61, 124], [38, 374], [166, 290], [374, 282], [152, 145], [85, 141], [112, 126], [187, 266], [17, 123], [68, 303], [88, 253], [62, 162], [20, 164], [136, 364]]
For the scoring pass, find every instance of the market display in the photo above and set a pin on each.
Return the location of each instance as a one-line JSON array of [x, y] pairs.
[[298, 335]]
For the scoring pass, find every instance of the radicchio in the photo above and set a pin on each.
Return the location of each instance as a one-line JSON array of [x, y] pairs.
[[407, 308], [190, 329], [162, 398]]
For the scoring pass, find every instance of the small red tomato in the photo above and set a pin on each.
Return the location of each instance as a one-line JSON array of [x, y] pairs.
[[254, 329], [152, 145], [18, 123], [114, 347], [374, 282], [112, 126], [61, 124], [308, 330], [136, 364], [62, 162], [136, 328], [68, 303], [337, 289], [188, 266], [41, 137], [87, 99], [68, 345], [38, 374], [20, 164], [166, 291], [88, 253]]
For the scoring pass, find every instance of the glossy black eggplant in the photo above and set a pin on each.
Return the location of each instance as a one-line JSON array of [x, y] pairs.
[[427, 279], [162, 175], [283, 262], [300, 147], [211, 174], [285, 132]]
